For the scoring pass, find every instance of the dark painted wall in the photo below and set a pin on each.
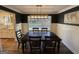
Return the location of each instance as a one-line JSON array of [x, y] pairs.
[[54, 18], [61, 15], [18, 18], [22, 18]]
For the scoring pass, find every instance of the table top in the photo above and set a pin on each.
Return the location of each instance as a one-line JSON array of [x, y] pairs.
[[42, 34]]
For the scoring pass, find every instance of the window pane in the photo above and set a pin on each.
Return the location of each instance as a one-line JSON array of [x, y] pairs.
[[39, 21]]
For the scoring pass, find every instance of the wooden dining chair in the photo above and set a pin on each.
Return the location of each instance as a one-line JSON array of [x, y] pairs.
[[19, 37], [44, 29], [35, 44], [50, 44], [35, 29]]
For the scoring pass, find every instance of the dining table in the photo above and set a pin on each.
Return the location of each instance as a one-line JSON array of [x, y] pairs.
[[25, 39]]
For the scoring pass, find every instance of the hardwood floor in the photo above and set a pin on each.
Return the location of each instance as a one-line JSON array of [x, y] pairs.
[[9, 46]]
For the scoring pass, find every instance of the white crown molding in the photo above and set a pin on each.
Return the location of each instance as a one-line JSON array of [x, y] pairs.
[[65, 9], [12, 8]]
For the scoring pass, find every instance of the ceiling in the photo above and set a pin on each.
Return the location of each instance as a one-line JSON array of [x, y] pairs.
[[34, 9]]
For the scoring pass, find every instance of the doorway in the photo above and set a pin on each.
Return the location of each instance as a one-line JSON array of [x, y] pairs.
[[39, 21]]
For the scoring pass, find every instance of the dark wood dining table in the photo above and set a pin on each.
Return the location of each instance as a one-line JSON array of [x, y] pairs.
[[42, 34]]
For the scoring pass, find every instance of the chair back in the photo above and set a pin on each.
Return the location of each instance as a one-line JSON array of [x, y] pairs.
[[35, 29], [44, 29], [18, 35], [50, 44], [35, 43], [50, 41]]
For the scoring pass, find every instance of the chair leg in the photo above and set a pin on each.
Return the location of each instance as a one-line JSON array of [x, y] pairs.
[[58, 47], [25, 45], [18, 45]]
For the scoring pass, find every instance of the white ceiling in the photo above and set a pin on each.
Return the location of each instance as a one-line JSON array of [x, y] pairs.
[[33, 9]]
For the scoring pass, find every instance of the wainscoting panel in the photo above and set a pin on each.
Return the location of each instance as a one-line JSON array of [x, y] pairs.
[[70, 36]]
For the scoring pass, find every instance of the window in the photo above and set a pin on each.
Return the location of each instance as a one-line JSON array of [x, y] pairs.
[[39, 21]]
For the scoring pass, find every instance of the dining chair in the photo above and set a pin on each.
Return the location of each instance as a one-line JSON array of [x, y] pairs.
[[35, 29], [19, 36], [50, 45], [35, 44], [44, 29]]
